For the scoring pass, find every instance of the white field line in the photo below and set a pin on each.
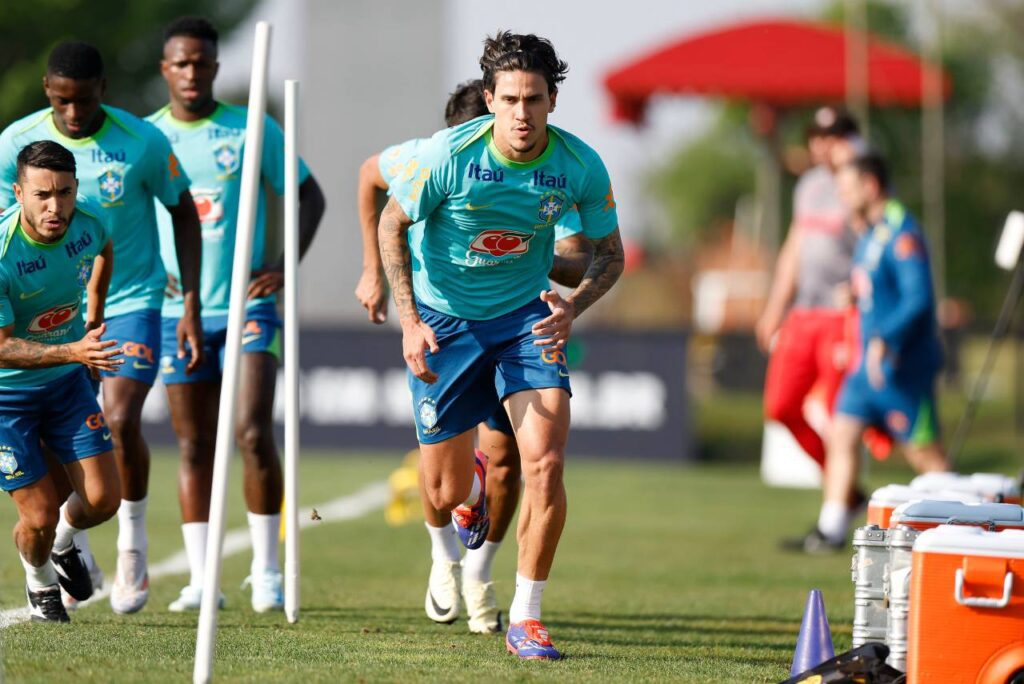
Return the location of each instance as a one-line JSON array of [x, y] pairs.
[[370, 498]]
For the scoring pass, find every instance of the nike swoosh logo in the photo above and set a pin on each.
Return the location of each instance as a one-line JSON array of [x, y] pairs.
[[106, 436], [478, 207], [433, 602], [562, 373], [142, 366], [30, 295], [249, 338]]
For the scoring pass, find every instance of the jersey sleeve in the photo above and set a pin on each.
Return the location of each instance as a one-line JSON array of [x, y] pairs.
[[392, 160], [907, 258], [568, 225], [6, 309], [596, 204], [166, 178], [272, 162], [8, 168], [426, 179]]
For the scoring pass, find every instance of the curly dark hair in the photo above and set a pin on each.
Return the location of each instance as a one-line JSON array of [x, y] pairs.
[[191, 27], [508, 51], [77, 61]]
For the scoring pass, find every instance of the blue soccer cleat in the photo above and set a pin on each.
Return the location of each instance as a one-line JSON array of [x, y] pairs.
[[530, 641], [472, 522]]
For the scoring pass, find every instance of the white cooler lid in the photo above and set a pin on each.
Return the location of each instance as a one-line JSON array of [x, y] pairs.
[[971, 541], [985, 484], [896, 494], [928, 509]]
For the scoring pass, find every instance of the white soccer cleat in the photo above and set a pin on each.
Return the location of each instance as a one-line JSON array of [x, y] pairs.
[[267, 594], [70, 602], [482, 607], [130, 590], [444, 603], [191, 598]]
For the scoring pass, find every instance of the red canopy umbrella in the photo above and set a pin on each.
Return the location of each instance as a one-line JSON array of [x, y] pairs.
[[779, 63]]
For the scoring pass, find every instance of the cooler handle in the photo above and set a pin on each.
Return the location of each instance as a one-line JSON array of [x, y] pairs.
[[989, 525], [982, 601]]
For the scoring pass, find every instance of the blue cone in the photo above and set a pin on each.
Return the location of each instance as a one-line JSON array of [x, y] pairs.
[[814, 645]]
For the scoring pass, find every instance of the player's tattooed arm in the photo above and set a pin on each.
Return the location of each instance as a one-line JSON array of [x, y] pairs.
[[99, 283], [89, 351], [573, 255], [604, 270]]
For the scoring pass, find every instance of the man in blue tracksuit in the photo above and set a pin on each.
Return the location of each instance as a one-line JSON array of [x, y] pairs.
[[892, 386]]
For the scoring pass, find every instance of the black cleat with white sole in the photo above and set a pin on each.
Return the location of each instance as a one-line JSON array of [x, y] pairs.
[[45, 605], [72, 573]]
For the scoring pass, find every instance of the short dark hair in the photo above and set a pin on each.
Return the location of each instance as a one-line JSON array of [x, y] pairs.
[[509, 51], [465, 103], [45, 154], [78, 61], [832, 122], [874, 165], [192, 27]]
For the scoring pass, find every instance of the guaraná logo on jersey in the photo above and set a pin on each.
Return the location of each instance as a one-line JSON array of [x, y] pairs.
[[111, 183], [208, 204], [551, 206], [53, 318], [227, 157], [501, 242]]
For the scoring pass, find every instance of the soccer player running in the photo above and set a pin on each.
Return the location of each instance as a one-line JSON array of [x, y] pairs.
[[124, 164], [51, 252], [495, 435], [892, 384], [207, 136], [475, 332]]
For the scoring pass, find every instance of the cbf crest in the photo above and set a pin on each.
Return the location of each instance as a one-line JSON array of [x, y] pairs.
[[111, 183], [83, 271], [227, 158], [551, 206], [8, 462]]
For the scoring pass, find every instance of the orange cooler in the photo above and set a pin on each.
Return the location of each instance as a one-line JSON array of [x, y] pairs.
[[884, 501], [966, 606], [992, 487]]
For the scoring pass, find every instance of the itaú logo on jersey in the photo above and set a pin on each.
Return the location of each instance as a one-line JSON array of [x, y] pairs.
[[53, 318], [501, 242]]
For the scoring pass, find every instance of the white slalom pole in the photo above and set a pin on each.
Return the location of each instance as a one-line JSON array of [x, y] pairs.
[[240, 276], [291, 350]]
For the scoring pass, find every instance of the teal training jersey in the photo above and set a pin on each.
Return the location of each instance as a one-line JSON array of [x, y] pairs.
[[210, 150], [488, 238], [122, 168], [41, 286]]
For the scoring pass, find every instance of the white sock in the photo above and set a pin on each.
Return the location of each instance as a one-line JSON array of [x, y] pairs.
[[474, 492], [476, 566], [41, 577], [65, 532], [195, 535], [834, 520], [526, 602], [265, 531], [131, 525], [81, 540], [444, 543]]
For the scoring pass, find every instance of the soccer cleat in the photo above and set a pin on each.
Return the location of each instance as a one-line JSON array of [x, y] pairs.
[[482, 607], [444, 603], [95, 574], [267, 594], [530, 641], [130, 590], [191, 598], [472, 522], [814, 543], [45, 606], [72, 573]]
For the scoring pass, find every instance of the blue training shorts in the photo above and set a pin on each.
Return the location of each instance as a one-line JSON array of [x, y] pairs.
[[138, 333], [262, 333], [479, 363], [499, 421], [904, 408], [63, 413]]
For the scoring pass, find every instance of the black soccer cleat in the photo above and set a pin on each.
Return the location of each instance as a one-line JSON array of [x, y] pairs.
[[72, 573], [45, 605], [814, 543]]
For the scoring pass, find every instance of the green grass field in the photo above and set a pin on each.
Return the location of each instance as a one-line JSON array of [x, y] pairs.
[[665, 572]]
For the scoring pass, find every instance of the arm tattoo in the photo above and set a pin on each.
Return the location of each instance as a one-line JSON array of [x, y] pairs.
[[604, 270], [18, 353], [572, 258], [394, 253]]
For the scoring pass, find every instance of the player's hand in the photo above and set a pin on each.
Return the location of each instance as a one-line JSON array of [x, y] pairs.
[[764, 330], [173, 287], [190, 329], [265, 282], [96, 354], [873, 362], [554, 330], [417, 338], [373, 295]]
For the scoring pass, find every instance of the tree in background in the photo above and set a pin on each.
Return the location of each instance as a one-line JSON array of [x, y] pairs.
[[128, 35]]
